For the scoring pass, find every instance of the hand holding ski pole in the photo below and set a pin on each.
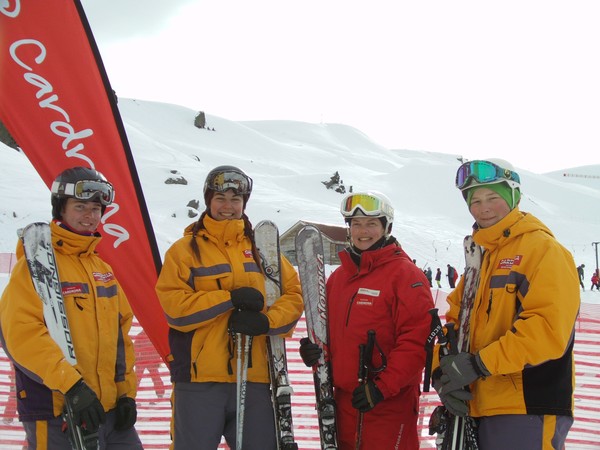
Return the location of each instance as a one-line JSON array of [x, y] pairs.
[[247, 299], [461, 370], [452, 397], [250, 323], [87, 409], [367, 395], [309, 352]]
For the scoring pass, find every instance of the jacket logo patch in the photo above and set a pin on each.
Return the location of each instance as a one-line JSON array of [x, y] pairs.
[[103, 277], [366, 297], [248, 254], [508, 263], [73, 289]]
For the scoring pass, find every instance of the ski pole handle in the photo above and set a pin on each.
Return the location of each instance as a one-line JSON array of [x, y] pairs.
[[452, 337], [362, 367], [436, 332]]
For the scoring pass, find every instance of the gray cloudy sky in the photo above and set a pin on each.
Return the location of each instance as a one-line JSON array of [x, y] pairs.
[[511, 79]]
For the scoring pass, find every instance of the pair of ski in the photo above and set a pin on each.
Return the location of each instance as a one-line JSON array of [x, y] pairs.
[[37, 246], [454, 432], [311, 267]]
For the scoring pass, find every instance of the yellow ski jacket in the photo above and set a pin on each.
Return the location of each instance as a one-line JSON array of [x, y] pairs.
[[195, 295], [99, 318], [523, 320]]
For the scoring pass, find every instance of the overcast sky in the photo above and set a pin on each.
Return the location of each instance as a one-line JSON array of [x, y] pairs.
[[511, 79]]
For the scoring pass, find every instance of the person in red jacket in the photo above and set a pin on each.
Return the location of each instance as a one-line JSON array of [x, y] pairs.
[[377, 291], [595, 281]]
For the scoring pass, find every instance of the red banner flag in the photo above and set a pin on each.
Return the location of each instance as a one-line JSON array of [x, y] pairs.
[[57, 103]]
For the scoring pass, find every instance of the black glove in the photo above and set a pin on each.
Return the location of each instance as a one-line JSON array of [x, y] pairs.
[[126, 414], [309, 352], [366, 396], [87, 409], [250, 323], [454, 401], [247, 299], [461, 370]]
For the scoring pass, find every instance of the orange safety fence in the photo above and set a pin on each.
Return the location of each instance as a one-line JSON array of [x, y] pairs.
[[154, 410]]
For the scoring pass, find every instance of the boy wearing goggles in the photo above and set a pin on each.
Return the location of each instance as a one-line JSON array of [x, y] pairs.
[[210, 286], [520, 364], [102, 386], [376, 288]]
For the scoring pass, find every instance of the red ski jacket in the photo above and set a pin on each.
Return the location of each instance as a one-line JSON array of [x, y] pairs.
[[389, 294]]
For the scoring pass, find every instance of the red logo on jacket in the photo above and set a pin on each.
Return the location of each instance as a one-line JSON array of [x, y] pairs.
[[508, 263], [103, 277], [73, 289], [248, 254]]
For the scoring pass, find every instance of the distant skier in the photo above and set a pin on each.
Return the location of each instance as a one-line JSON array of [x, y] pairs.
[[581, 275], [428, 275], [438, 278], [595, 281], [520, 365], [452, 276]]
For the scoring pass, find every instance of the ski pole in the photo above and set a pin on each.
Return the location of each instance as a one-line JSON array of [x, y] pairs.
[[435, 332], [241, 382], [238, 380], [362, 376], [365, 366], [452, 349]]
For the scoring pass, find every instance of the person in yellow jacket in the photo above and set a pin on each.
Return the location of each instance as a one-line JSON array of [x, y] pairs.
[[101, 387], [520, 365], [211, 287]]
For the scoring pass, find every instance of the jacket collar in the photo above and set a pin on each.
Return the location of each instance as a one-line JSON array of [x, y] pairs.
[[515, 223], [69, 243], [220, 230]]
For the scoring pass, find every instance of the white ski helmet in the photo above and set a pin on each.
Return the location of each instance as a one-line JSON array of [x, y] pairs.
[[368, 204]]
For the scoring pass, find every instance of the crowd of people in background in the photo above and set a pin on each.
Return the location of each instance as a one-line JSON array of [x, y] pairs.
[[452, 275], [595, 278]]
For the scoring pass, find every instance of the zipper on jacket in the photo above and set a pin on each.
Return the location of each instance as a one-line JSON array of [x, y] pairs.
[[195, 363], [77, 299], [489, 308], [350, 308]]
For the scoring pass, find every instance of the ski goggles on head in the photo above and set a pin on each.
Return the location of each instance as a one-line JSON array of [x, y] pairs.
[[223, 181], [369, 205], [483, 172], [86, 190]]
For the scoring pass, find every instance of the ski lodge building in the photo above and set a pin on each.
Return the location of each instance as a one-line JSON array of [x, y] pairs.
[[334, 241]]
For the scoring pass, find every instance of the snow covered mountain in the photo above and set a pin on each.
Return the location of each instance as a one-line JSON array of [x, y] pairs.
[[289, 161]]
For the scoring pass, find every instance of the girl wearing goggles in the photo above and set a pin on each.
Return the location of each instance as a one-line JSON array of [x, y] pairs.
[[376, 289], [101, 388], [212, 288], [519, 366]]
